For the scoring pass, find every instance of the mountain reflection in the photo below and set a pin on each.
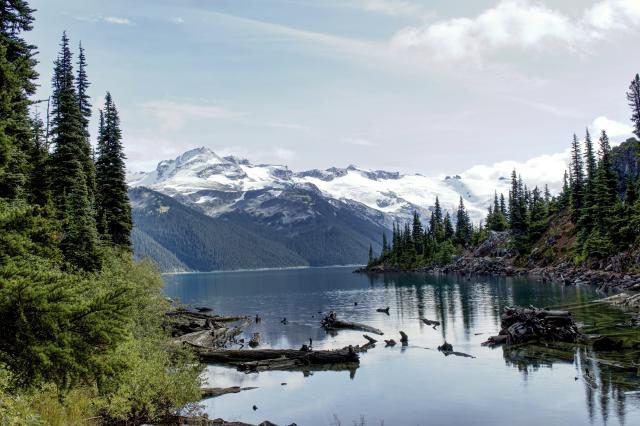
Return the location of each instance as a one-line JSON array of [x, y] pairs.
[[468, 311]]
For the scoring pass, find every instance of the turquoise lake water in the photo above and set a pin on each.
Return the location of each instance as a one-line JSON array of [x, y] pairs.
[[413, 385]]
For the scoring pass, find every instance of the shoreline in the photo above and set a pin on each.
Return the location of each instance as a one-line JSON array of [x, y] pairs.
[[500, 267], [284, 268]]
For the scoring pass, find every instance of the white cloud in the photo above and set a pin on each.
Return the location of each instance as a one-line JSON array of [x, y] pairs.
[[361, 142], [178, 20], [517, 25], [116, 20], [144, 153], [537, 171], [613, 128], [284, 154], [173, 115]]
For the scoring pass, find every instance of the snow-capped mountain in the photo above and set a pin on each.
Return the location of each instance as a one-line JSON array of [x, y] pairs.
[[218, 185]]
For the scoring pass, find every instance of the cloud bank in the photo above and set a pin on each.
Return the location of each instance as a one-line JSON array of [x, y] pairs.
[[517, 25]]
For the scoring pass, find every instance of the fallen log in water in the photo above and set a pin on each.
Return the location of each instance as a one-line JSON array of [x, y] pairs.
[[237, 356], [331, 322], [430, 322], [200, 315], [213, 392], [370, 339]]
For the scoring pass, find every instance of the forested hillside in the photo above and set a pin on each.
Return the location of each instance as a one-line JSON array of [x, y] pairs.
[[145, 247], [593, 222], [329, 233], [200, 242], [81, 335]]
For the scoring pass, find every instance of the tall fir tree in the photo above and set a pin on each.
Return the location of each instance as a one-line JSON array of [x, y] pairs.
[[463, 225], [80, 241], [84, 105], [577, 180], [416, 233], [66, 126], [633, 96], [17, 83], [537, 216], [69, 163], [503, 205], [447, 226], [605, 188], [113, 202], [436, 222], [82, 87], [587, 216]]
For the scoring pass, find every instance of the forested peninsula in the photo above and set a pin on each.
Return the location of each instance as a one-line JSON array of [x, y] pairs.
[[81, 324], [587, 233]]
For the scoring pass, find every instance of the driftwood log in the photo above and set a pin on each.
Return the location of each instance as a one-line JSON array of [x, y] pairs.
[[331, 322], [235, 356], [522, 325], [213, 392], [430, 322], [370, 339], [200, 315], [383, 310]]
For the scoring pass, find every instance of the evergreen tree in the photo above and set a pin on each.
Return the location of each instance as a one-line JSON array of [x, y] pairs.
[[416, 233], [66, 127], [565, 197], [17, 77], [538, 216], [449, 232], [633, 96], [587, 217], [39, 186], [436, 222], [503, 206], [80, 241], [84, 105], [518, 213], [605, 188], [82, 86], [577, 180], [463, 225], [69, 164], [113, 203]]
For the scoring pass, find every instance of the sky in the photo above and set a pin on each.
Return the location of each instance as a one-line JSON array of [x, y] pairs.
[[418, 86]]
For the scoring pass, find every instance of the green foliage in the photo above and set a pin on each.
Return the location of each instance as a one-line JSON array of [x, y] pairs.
[[81, 330], [155, 383], [57, 327], [114, 210]]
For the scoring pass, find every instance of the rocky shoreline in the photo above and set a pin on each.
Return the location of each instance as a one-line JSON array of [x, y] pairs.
[[496, 266]]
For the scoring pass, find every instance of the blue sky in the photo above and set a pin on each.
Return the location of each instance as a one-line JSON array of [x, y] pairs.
[[417, 86]]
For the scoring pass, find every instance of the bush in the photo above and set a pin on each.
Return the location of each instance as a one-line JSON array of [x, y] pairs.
[[89, 343]]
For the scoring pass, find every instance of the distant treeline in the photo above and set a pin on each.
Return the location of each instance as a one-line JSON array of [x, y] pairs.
[[599, 202]]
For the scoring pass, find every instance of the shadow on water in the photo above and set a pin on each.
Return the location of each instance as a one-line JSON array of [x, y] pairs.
[[582, 389]]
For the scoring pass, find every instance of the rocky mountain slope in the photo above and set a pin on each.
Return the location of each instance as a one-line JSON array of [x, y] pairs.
[[315, 217], [218, 185]]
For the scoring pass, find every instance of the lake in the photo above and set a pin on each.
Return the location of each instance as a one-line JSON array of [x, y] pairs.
[[413, 385]]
